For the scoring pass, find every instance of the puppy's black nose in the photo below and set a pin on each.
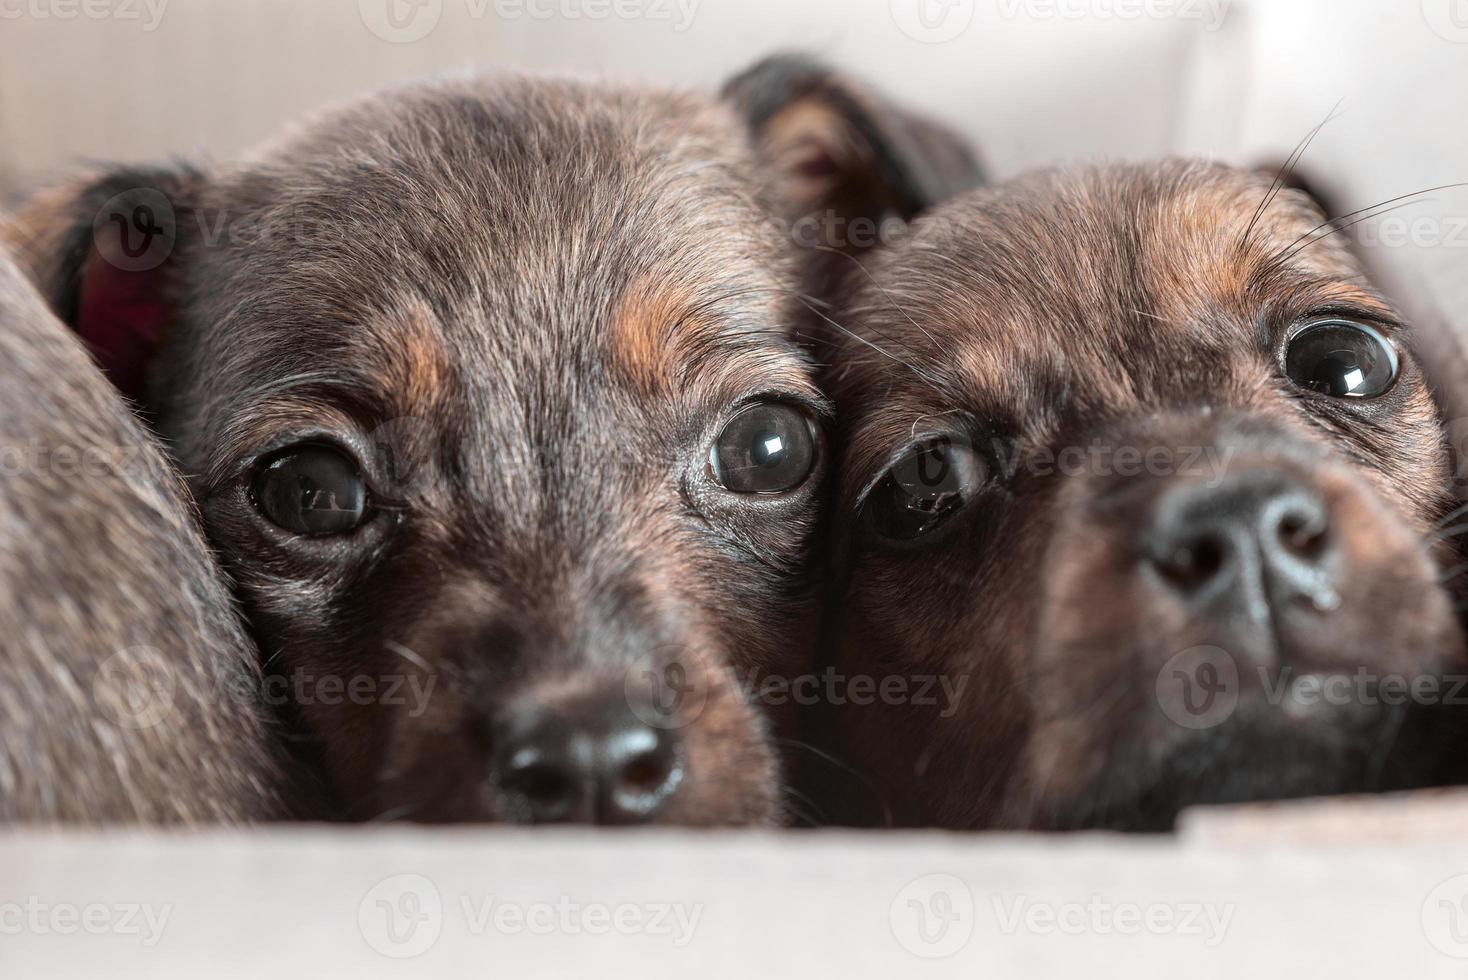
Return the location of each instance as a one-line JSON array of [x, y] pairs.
[[1261, 536], [597, 764]]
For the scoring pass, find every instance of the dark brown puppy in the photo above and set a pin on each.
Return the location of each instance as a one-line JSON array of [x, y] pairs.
[[490, 395], [128, 691], [1139, 464]]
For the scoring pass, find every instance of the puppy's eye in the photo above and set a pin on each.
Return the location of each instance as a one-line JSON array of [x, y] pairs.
[[766, 448], [1342, 359], [927, 486], [311, 490]]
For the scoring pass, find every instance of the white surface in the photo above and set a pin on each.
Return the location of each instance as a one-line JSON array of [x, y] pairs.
[[306, 904]]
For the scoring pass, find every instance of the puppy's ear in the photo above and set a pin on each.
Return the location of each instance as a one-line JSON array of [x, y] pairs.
[[835, 149], [102, 251]]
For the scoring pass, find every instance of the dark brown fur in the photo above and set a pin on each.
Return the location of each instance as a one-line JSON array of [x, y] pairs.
[[1124, 307]]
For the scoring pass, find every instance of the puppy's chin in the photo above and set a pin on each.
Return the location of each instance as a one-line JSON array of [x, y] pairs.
[[1308, 666], [1261, 753], [1212, 728]]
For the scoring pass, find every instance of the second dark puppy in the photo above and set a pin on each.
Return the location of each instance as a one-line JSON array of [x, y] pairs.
[[490, 395], [1138, 456]]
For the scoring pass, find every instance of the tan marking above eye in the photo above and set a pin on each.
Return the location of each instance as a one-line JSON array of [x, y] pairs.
[[651, 333], [406, 355]]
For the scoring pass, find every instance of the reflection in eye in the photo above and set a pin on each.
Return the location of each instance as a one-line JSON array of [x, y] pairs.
[[930, 483], [766, 448], [1342, 359], [312, 490]]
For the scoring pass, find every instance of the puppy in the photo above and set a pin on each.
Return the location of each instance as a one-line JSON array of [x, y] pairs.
[[128, 692], [490, 394], [1139, 465]]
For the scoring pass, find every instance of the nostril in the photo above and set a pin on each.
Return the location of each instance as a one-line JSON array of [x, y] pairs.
[[647, 768], [592, 762], [541, 784], [1191, 565], [648, 772], [1258, 540], [1304, 535]]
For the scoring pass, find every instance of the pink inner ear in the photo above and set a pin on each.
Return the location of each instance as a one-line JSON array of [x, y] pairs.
[[816, 161], [120, 317]]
